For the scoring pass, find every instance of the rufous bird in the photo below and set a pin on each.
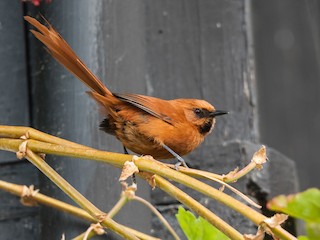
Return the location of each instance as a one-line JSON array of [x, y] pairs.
[[145, 125]]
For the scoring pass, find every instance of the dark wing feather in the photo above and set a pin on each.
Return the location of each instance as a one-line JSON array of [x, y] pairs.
[[144, 103]]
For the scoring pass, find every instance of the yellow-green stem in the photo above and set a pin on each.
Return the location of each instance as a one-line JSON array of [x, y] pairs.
[[153, 167], [64, 207], [76, 196], [158, 214], [220, 196], [252, 165], [198, 208], [31, 133], [116, 208]]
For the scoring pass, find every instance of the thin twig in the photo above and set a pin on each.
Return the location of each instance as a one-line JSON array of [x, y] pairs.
[[158, 214], [64, 207], [117, 207]]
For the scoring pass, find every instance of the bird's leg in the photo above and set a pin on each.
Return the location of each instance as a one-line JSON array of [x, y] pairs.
[[180, 159], [125, 150], [134, 180]]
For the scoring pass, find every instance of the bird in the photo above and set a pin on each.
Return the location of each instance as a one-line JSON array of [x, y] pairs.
[[145, 125]]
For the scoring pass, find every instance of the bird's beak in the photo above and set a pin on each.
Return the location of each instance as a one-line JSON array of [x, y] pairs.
[[217, 113]]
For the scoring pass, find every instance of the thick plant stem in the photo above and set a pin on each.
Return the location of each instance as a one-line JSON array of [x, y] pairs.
[[17, 132], [207, 190], [76, 196], [62, 206], [148, 165], [197, 208], [152, 166]]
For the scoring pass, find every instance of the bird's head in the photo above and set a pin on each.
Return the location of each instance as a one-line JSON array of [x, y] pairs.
[[201, 114]]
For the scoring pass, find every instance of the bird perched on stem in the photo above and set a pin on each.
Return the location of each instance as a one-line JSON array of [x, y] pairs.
[[145, 125]]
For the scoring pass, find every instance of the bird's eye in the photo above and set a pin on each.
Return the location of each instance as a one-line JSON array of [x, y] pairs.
[[198, 112]]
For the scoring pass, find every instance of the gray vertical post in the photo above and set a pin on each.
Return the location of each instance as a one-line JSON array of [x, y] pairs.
[[287, 40], [16, 221], [14, 107], [203, 49], [109, 37]]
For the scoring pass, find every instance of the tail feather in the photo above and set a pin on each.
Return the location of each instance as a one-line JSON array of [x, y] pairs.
[[64, 54]]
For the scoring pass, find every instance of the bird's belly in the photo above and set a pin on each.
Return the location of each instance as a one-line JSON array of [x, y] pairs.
[[143, 145], [149, 142]]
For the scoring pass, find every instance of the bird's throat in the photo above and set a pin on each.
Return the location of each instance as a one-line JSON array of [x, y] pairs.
[[206, 127]]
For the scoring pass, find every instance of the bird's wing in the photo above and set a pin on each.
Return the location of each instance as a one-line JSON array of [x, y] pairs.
[[148, 104]]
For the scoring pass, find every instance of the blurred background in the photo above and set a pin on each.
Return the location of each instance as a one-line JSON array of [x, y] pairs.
[[287, 53], [257, 59]]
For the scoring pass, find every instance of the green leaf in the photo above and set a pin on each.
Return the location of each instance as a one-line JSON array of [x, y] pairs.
[[305, 205], [303, 238], [313, 230], [197, 228]]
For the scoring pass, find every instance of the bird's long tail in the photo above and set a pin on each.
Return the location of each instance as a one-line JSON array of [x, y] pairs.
[[64, 54]]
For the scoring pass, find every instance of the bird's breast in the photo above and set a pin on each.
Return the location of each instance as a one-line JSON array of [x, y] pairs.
[[183, 139], [144, 134], [147, 138]]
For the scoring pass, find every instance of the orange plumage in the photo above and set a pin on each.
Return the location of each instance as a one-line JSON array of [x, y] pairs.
[[145, 125]]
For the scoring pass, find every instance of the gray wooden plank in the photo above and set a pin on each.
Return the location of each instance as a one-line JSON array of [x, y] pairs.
[[204, 49], [197, 49], [14, 109], [287, 59], [18, 221], [109, 38]]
